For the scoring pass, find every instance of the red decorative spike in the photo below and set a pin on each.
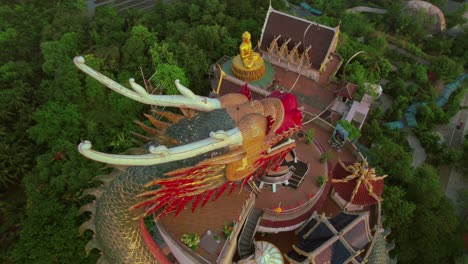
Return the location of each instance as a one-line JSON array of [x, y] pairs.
[[143, 204], [164, 213], [157, 206], [245, 181], [264, 166], [168, 210], [246, 91], [175, 181], [274, 162], [182, 204], [176, 190], [221, 190], [270, 122], [279, 159], [208, 196], [184, 172], [233, 186], [196, 202]]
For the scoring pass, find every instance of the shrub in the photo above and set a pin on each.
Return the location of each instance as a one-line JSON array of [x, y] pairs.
[[309, 136], [321, 180], [191, 240], [326, 156], [420, 73], [406, 71], [450, 156], [354, 133], [227, 229], [445, 68]]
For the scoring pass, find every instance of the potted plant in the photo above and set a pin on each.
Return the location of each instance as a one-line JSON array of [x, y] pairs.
[[227, 229], [354, 132], [326, 156], [321, 180], [191, 240], [217, 239], [309, 136]]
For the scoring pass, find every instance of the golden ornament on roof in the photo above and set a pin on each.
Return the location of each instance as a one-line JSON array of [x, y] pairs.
[[248, 65]]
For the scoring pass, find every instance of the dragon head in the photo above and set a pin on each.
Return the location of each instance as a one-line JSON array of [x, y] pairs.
[[292, 120]]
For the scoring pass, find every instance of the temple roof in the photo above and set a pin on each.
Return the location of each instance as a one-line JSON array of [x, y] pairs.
[[336, 240], [363, 196], [318, 36]]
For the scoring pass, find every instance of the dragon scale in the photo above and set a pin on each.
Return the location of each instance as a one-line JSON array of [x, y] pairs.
[[117, 232]]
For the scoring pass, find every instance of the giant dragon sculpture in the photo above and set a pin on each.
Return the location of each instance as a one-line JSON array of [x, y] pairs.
[[220, 144]]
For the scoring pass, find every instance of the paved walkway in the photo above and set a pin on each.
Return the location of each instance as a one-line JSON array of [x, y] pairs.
[[367, 9], [419, 154], [404, 52], [451, 180], [453, 5]]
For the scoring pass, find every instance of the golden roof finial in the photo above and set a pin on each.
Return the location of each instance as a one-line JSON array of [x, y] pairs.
[[363, 174]]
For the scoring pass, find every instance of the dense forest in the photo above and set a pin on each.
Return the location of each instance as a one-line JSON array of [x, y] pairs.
[[47, 106]]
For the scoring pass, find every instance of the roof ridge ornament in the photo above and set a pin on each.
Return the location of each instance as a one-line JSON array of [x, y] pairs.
[[361, 174]]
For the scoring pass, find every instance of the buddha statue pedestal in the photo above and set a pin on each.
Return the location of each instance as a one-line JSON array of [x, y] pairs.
[[248, 65], [255, 72]]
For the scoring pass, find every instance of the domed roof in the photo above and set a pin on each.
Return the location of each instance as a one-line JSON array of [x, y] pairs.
[[430, 9]]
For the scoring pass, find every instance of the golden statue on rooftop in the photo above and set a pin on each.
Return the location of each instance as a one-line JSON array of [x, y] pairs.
[[245, 49], [248, 65]]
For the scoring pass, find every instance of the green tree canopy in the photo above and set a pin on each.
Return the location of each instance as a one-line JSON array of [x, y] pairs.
[[165, 76], [445, 68]]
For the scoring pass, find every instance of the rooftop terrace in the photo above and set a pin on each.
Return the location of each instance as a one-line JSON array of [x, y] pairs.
[[213, 216]]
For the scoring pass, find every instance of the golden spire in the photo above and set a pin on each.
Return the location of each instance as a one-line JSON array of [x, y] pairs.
[[363, 174]]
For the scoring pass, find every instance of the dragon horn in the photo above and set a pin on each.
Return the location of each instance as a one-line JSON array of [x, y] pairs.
[[161, 154], [188, 99]]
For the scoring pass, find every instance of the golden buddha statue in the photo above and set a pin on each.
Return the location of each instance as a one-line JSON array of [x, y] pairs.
[[248, 56], [248, 65]]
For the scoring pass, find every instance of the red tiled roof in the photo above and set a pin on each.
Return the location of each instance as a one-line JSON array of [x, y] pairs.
[[345, 189], [318, 36]]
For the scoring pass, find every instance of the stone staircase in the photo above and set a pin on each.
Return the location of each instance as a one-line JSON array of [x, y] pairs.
[[300, 170], [245, 245]]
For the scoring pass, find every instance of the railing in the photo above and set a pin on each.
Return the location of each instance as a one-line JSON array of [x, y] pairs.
[[272, 179], [329, 127], [285, 211], [178, 249], [227, 252], [312, 197], [248, 232], [333, 74], [254, 88]]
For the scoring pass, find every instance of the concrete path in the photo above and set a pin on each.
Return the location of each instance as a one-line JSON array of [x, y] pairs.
[[453, 5], [404, 52], [419, 154], [451, 180], [367, 9]]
